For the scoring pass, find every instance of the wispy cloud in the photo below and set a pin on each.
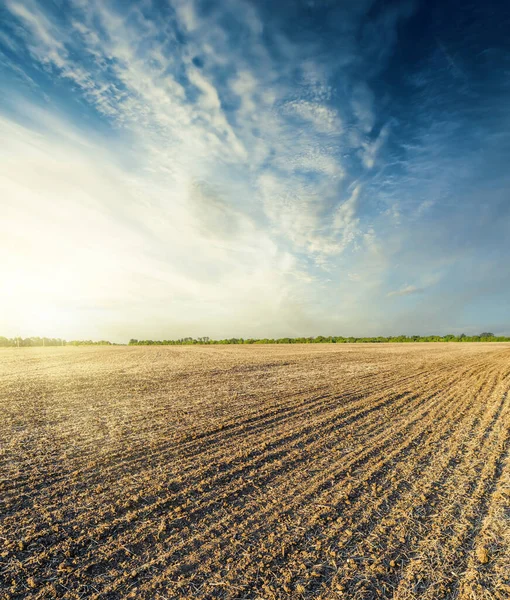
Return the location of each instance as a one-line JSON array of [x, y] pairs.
[[407, 290]]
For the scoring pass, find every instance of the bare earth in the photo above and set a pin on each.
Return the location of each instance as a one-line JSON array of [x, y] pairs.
[[313, 471]]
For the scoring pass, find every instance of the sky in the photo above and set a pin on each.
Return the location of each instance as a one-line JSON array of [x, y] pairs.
[[241, 168]]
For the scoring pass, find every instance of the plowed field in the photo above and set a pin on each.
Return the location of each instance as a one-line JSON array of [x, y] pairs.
[[307, 471]]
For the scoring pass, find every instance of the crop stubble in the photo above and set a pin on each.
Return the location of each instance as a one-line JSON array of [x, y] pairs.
[[313, 471]]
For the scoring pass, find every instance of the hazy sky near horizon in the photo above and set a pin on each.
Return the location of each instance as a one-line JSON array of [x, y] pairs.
[[248, 168]]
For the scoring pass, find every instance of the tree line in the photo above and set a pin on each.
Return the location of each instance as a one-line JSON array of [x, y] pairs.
[[188, 341], [44, 341]]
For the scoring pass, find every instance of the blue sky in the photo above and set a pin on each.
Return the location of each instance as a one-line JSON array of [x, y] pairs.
[[236, 168]]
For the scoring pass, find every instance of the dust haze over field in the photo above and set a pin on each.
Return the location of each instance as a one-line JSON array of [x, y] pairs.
[[306, 471]]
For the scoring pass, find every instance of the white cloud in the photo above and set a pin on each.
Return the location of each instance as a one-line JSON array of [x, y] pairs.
[[187, 15], [244, 84], [322, 118], [345, 215], [406, 290], [371, 149]]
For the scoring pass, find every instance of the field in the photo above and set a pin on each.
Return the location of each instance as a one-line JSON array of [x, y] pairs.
[[308, 471]]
